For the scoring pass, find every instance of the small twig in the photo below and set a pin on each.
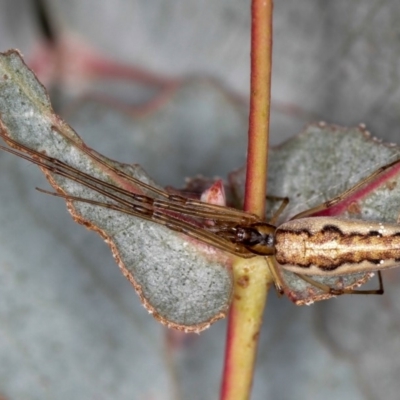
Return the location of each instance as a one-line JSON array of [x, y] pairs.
[[251, 278]]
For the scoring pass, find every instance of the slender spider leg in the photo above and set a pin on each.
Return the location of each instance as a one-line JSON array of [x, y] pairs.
[[187, 202], [338, 292], [346, 193], [279, 211], [200, 210], [170, 222], [279, 285]]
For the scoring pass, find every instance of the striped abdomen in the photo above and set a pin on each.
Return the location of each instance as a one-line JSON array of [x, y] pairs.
[[333, 246]]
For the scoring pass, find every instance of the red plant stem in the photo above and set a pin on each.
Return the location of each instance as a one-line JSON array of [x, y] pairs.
[[251, 277], [260, 95]]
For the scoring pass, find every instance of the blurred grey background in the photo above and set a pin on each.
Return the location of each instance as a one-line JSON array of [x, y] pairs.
[[165, 84]]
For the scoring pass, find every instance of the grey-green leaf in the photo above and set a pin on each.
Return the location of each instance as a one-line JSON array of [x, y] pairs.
[[182, 286]]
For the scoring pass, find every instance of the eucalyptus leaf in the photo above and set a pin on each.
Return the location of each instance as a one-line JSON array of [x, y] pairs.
[[181, 286]]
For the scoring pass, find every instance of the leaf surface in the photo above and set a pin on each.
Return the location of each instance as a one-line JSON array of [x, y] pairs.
[[182, 287]]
